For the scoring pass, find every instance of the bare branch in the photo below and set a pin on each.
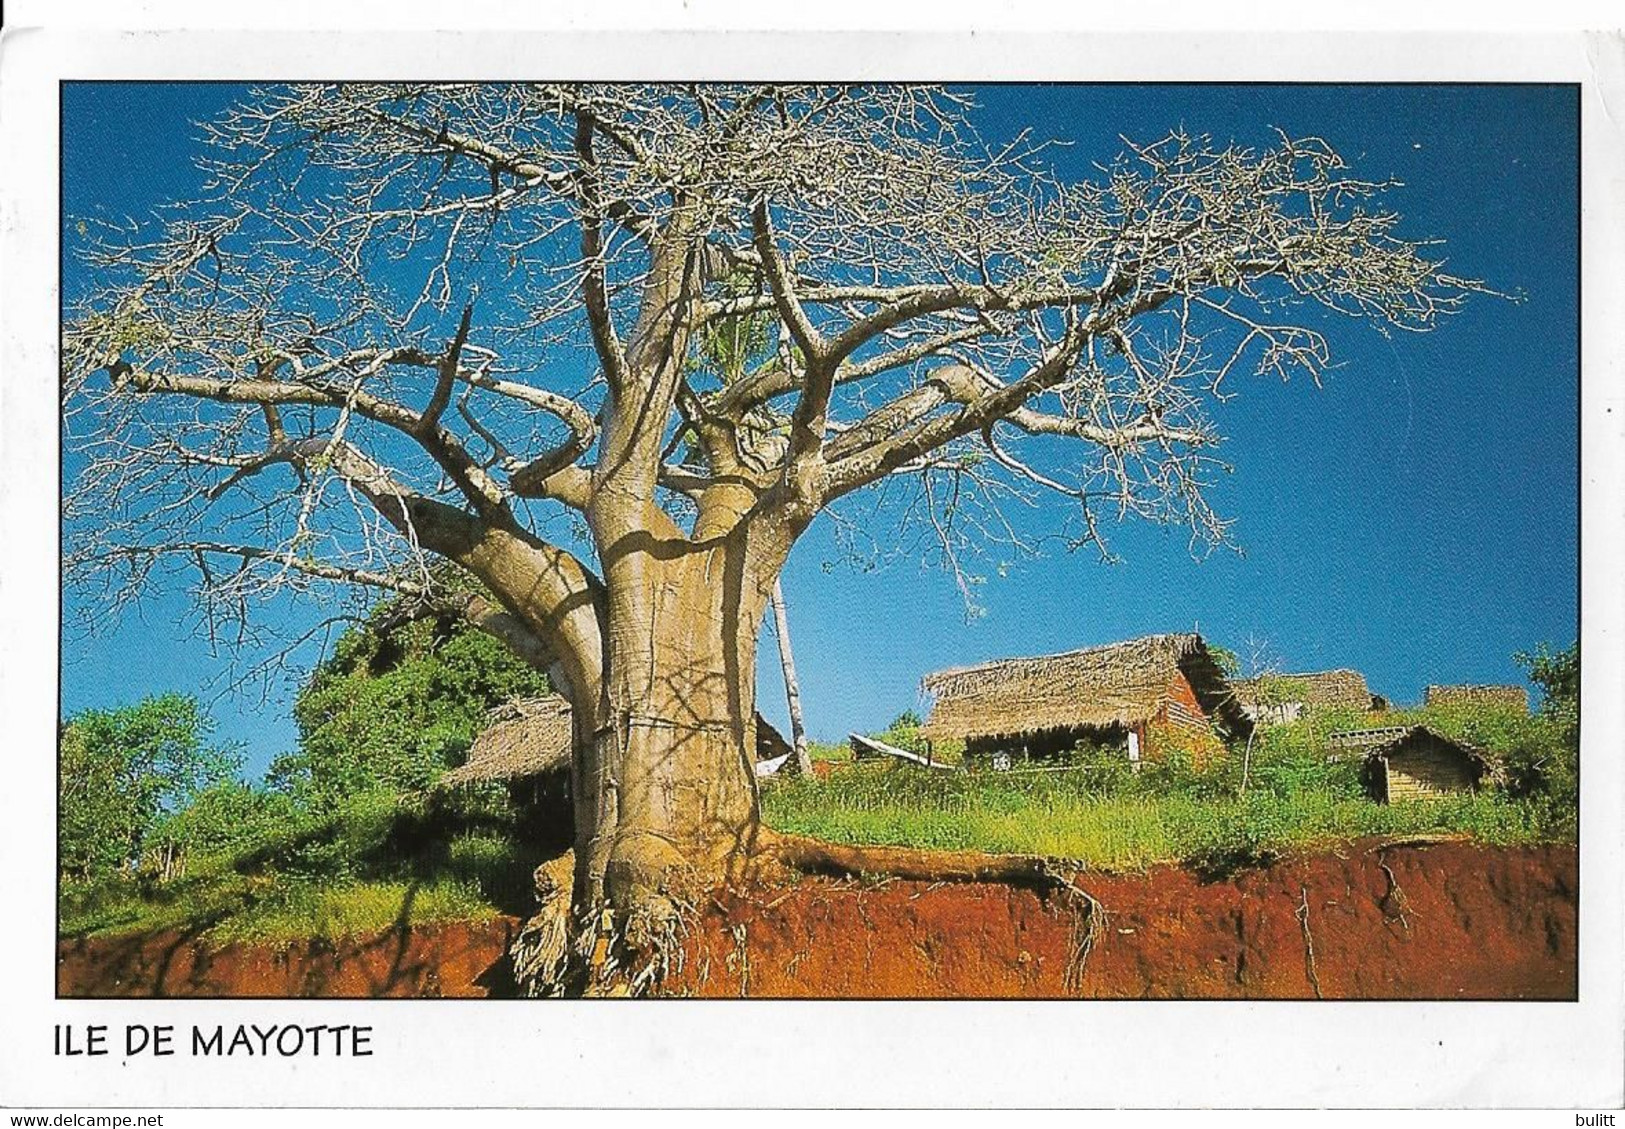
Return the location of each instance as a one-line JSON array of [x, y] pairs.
[[593, 283], [447, 376], [961, 327]]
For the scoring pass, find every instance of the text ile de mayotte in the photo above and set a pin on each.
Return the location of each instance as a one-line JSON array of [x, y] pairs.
[[250, 1039]]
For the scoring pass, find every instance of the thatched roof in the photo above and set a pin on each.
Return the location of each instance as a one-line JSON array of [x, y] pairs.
[[524, 737], [1486, 764], [1374, 744], [1118, 684], [531, 737], [770, 742], [1505, 697], [1362, 741], [1320, 690]]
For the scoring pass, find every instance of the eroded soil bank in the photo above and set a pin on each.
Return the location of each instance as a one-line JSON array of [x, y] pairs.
[[462, 958], [1440, 921], [1372, 920]]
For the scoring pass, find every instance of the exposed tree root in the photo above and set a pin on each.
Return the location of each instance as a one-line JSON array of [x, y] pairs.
[[632, 952], [1088, 927], [1030, 872], [842, 860], [1433, 839], [619, 954], [739, 960], [541, 952], [648, 949], [1395, 898], [1308, 943]]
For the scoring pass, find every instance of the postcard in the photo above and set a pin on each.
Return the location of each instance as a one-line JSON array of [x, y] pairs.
[[547, 550]]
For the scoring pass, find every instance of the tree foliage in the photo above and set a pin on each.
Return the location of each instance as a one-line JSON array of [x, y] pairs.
[[1228, 662], [220, 820], [124, 771], [396, 705], [1557, 673], [1552, 765]]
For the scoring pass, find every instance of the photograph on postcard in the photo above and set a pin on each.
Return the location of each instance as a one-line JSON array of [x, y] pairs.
[[889, 541]]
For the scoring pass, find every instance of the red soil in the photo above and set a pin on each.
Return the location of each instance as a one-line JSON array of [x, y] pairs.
[[1456, 921], [446, 959]]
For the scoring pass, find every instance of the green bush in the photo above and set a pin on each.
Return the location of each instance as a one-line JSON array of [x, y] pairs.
[[395, 706], [904, 733], [1293, 759], [1552, 766], [224, 820], [124, 772], [1541, 761]]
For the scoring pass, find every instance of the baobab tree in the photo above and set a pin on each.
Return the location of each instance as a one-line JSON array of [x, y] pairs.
[[458, 323]]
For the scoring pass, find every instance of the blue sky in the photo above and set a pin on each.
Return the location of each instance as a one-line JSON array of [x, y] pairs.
[[1414, 518]]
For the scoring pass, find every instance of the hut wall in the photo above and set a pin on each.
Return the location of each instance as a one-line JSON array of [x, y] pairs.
[[1180, 707], [1425, 766]]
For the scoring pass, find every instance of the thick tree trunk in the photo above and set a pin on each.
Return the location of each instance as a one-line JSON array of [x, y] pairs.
[[666, 804], [672, 744], [665, 795]]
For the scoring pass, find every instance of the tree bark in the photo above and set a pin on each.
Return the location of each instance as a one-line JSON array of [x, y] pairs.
[[665, 783]]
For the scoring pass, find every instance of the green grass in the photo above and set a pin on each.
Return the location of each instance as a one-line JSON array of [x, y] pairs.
[[377, 860], [230, 908], [374, 864], [270, 909], [1070, 815], [354, 909], [827, 751]]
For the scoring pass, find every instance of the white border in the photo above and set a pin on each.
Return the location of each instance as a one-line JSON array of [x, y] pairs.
[[731, 1054]]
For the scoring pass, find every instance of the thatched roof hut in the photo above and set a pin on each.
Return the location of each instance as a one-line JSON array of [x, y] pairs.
[[531, 737], [1420, 763], [522, 738], [1120, 686], [1494, 697], [1312, 692]]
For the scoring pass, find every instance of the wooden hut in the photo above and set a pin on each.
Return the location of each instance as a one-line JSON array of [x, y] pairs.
[[525, 747], [1306, 694], [1122, 693], [1418, 763], [1514, 698]]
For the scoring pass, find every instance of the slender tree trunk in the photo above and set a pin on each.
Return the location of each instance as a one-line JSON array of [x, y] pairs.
[[792, 686], [1247, 761]]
